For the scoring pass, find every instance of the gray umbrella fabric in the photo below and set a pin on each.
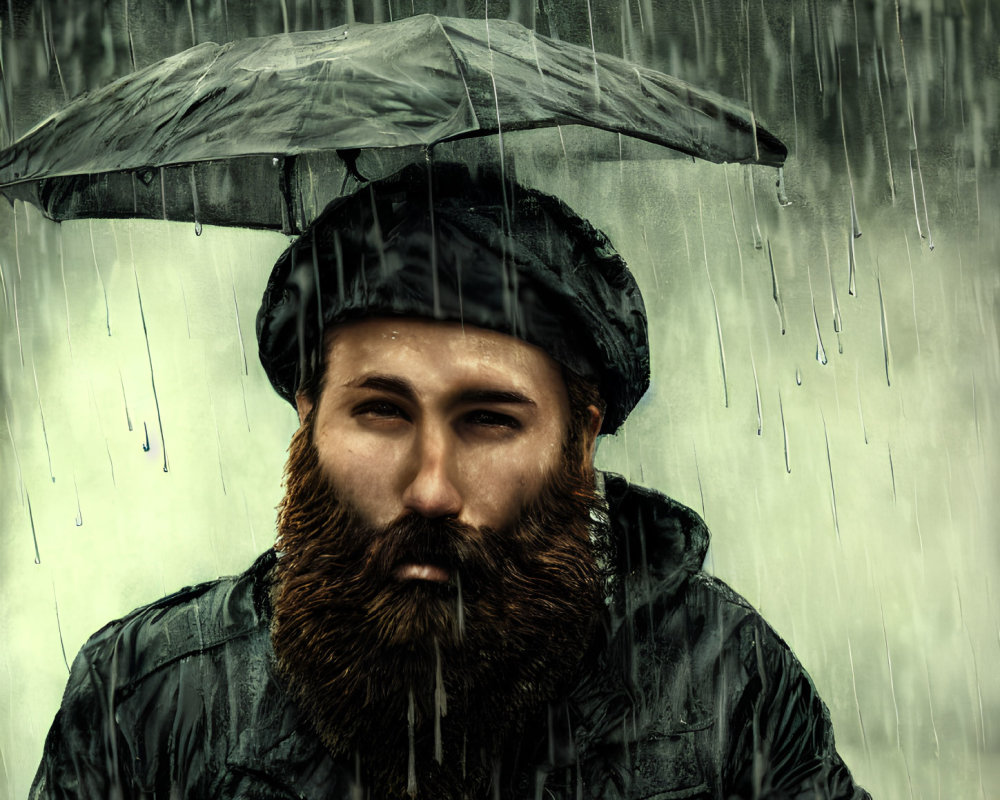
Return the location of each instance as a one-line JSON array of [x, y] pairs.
[[212, 132]]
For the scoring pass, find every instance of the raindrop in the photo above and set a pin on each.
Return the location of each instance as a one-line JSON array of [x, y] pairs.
[[885, 129], [357, 787], [820, 350], [857, 701], [838, 323], [913, 294], [913, 190], [885, 328], [701, 494], [17, 458], [784, 433], [930, 706], [888, 660], [50, 48], [187, 316], [440, 703], [780, 184], [131, 42], [756, 391], [855, 227], [17, 241], [100, 278], [715, 305], [892, 473], [649, 257], [62, 270], [194, 38], [593, 50], [145, 444], [757, 237], [128, 417], [411, 766], [246, 409], [798, 377], [914, 153], [775, 290], [194, 200], [833, 490], [239, 332], [163, 192], [732, 214], [975, 415], [34, 535], [815, 27], [111, 463], [149, 357], [3, 285], [791, 80], [275, 161], [62, 644], [41, 414], [749, 80], [562, 144], [857, 42], [17, 325], [218, 442], [79, 512], [851, 266]]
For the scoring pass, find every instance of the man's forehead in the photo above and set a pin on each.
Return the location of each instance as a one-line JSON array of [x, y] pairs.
[[396, 337]]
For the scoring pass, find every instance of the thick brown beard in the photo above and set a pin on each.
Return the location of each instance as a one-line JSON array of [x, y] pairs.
[[360, 651]]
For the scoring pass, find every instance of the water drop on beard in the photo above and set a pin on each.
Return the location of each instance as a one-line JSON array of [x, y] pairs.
[[440, 703], [197, 227], [411, 766]]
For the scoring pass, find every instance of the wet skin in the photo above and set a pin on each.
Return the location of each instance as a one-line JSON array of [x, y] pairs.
[[425, 417]]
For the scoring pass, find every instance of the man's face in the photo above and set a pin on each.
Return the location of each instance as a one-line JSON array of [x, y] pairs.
[[436, 549], [434, 419]]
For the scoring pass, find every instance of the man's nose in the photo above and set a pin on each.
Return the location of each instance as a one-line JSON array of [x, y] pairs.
[[431, 491]]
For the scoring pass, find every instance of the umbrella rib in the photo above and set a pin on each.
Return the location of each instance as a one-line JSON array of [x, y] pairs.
[[461, 72]]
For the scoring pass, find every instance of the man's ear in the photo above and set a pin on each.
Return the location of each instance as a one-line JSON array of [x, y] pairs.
[[304, 404], [591, 433]]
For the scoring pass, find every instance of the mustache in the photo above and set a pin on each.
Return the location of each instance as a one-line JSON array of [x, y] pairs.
[[443, 542]]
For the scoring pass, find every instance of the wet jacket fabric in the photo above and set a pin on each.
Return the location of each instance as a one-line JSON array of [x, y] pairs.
[[687, 693]]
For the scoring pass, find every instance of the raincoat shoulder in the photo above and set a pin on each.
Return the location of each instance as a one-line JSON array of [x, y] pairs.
[[177, 699], [694, 694]]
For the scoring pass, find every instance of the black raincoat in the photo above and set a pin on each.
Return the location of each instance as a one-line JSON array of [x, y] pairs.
[[688, 694]]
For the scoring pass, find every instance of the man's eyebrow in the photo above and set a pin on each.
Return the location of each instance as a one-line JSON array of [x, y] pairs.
[[493, 396], [385, 383], [403, 388]]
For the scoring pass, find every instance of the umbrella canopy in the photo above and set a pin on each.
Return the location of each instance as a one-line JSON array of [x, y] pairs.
[[211, 132]]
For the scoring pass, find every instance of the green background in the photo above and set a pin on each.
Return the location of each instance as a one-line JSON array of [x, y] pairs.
[[854, 502]]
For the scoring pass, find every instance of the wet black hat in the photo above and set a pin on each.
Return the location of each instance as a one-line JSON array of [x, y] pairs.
[[434, 241]]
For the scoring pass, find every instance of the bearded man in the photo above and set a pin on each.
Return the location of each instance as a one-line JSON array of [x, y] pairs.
[[458, 605]]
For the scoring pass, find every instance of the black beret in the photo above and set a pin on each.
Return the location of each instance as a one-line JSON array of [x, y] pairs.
[[434, 241]]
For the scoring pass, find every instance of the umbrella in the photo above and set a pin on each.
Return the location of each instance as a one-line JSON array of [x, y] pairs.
[[257, 132]]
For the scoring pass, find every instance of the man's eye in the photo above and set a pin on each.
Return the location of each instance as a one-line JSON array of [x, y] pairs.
[[379, 409], [492, 419]]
